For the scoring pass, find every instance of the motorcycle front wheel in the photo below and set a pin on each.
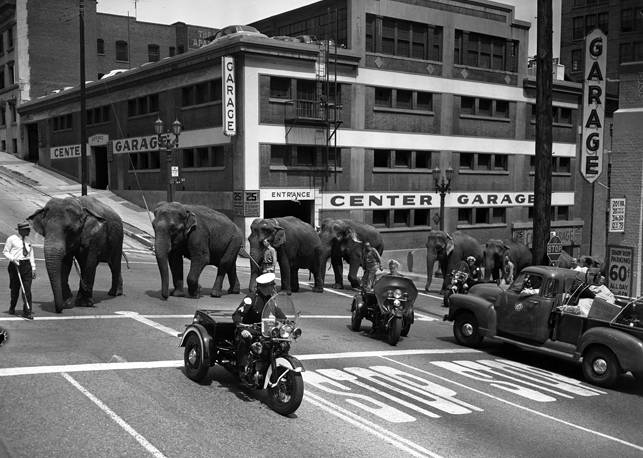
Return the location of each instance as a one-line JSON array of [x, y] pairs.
[[287, 395], [195, 368], [394, 331]]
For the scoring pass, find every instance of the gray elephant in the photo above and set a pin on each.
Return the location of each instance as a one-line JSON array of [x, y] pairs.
[[341, 240], [495, 251], [448, 250], [295, 242], [203, 235], [87, 230]]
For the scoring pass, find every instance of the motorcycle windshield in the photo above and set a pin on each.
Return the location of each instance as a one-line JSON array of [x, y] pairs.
[[278, 311]]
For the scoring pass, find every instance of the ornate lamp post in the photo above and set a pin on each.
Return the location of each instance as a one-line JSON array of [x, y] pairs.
[[170, 145], [442, 186]]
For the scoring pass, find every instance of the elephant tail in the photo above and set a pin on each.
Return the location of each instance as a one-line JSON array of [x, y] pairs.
[[126, 260]]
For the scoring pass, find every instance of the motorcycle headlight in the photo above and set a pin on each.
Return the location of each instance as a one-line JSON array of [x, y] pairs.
[[285, 331], [396, 303], [274, 333], [256, 348], [397, 294], [296, 333]]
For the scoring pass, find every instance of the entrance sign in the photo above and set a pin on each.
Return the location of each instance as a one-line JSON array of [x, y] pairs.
[[554, 247], [619, 269], [98, 140], [229, 99], [617, 215], [591, 160]]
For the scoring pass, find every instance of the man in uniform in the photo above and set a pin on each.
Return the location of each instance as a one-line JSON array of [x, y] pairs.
[[22, 268]]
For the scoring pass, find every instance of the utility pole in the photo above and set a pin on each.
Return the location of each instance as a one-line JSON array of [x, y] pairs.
[[83, 103], [543, 153]]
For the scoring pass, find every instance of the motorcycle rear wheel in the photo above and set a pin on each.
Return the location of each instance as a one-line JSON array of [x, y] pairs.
[[286, 397], [356, 320], [394, 331], [195, 368]]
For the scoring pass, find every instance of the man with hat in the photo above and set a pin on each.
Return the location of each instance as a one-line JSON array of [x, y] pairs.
[[22, 268]]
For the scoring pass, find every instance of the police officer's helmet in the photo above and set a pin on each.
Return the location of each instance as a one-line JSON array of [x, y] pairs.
[[471, 259], [266, 280]]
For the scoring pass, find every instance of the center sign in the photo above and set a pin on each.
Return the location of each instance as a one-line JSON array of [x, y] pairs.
[[591, 160]]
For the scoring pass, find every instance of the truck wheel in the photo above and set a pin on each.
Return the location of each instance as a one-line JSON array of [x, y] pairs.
[[600, 366], [466, 330], [195, 368]]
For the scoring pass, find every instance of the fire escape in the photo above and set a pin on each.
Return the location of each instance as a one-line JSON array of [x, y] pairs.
[[321, 109]]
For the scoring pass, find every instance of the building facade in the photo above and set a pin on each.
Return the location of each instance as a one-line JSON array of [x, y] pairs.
[[40, 52], [351, 123]]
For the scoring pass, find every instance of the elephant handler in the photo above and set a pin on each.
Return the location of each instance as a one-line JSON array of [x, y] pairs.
[[269, 261], [22, 268], [372, 263]]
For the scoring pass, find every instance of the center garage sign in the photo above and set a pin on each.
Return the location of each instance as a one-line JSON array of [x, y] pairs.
[[135, 144], [375, 200]]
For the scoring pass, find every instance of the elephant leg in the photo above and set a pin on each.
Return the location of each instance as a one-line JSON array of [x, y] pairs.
[[352, 274], [446, 276], [338, 270], [294, 280], [65, 271], [227, 266], [286, 277], [196, 267], [176, 267], [117, 278], [87, 276], [235, 286]]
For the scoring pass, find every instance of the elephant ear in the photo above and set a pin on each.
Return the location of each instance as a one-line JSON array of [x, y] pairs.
[[94, 214], [190, 222], [450, 244], [37, 219], [279, 238]]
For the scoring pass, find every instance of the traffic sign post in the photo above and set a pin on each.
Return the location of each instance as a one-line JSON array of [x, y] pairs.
[[554, 248]]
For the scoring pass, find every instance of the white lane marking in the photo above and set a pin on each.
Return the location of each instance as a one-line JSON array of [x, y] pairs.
[[430, 295], [382, 433], [125, 314], [518, 406], [154, 324], [33, 370], [118, 420]]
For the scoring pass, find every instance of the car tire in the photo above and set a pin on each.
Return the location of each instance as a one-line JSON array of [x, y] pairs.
[[466, 330], [193, 359], [600, 366]]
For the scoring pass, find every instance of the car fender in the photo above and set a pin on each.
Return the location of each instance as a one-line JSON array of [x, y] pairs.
[[627, 348], [289, 362], [204, 335], [481, 308]]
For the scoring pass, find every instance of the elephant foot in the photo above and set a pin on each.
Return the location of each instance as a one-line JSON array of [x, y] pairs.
[[235, 290], [115, 292], [84, 302], [356, 284], [318, 289], [176, 292], [426, 288], [338, 286], [215, 293]]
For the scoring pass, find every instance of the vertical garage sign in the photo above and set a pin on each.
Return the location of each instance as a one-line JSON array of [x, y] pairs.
[[591, 163], [229, 99]]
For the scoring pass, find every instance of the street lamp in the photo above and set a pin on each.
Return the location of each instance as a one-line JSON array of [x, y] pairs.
[[442, 186], [165, 142]]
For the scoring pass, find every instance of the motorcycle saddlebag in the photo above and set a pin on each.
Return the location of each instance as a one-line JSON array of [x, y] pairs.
[[221, 330]]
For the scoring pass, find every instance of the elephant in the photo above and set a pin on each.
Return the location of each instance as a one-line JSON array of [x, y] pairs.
[[85, 229], [449, 250], [341, 240], [203, 235], [295, 242], [494, 257]]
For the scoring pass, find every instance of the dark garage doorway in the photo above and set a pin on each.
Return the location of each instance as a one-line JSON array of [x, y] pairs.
[[302, 209], [102, 170]]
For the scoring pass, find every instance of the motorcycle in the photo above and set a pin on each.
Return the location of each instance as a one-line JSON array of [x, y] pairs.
[[389, 306], [459, 285], [269, 365]]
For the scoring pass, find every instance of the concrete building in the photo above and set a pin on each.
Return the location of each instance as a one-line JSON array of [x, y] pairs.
[[40, 52], [350, 123]]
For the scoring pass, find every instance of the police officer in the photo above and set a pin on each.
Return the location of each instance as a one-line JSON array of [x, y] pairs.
[[22, 268]]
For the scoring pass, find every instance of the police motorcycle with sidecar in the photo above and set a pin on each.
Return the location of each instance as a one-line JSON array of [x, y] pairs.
[[389, 306], [268, 364]]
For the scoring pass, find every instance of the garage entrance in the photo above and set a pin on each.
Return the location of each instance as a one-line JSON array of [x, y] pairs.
[[302, 209]]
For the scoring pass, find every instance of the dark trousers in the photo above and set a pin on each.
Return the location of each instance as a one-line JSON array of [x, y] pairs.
[[14, 284]]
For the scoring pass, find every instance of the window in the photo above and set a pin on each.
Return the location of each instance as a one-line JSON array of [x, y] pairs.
[[172, 51], [148, 160], [603, 22], [502, 109], [467, 105], [562, 115], [305, 156], [153, 53], [10, 73], [590, 23], [561, 165], [143, 105], [63, 122], [401, 217], [484, 107], [98, 115], [403, 158], [10, 38], [472, 216], [627, 20], [483, 162], [577, 60], [279, 88], [383, 97], [2, 84], [380, 218], [200, 93], [467, 160], [279, 155], [122, 52], [100, 46], [2, 47], [397, 37], [306, 90], [421, 218], [560, 213], [425, 101], [404, 99], [203, 157], [385, 158], [484, 51], [381, 157], [423, 159]]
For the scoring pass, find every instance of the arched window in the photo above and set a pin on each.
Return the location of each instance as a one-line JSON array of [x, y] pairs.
[[122, 53], [100, 46], [153, 53]]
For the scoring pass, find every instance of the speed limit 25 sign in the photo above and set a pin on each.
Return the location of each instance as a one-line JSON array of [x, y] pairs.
[[619, 273]]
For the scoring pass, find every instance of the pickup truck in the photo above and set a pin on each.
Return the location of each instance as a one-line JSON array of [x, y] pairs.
[[539, 311]]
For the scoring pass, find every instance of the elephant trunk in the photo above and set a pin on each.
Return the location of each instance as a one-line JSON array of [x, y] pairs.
[[161, 250], [322, 254], [54, 255], [430, 261]]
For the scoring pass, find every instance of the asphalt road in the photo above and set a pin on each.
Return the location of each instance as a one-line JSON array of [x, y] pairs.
[[108, 381]]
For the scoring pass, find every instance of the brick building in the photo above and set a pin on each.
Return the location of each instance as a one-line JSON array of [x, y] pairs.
[[40, 52], [349, 125]]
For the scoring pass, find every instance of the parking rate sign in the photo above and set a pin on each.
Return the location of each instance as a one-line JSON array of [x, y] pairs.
[[619, 271], [591, 160]]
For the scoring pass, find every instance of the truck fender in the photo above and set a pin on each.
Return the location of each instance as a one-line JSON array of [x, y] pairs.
[[289, 362], [627, 348], [481, 308], [204, 335]]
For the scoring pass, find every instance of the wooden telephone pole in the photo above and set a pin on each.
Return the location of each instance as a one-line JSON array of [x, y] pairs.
[[543, 153]]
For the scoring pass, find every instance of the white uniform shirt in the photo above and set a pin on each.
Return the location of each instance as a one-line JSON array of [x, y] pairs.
[[13, 250]]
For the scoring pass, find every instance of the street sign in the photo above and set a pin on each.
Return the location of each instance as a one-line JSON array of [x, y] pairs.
[[617, 215], [620, 263], [175, 171], [554, 247]]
